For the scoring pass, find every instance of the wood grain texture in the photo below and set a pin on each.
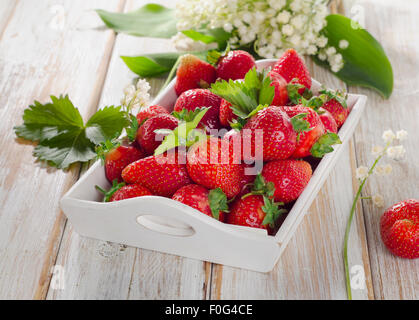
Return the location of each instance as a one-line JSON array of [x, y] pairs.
[[393, 278], [40, 56]]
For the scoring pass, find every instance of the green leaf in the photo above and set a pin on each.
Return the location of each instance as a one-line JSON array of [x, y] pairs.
[[151, 20], [187, 115], [267, 90], [299, 124], [217, 202], [323, 145], [366, 63], [62, 137], [108, 194], [132, 129], [198, 36], [272, 212]]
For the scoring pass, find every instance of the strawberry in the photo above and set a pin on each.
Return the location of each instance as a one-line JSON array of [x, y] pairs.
[[226, 113], [118, 158], [193, 73], [149, 112], [328, 120], [213, 203], [281, 93], [289, 177], [162, 174], [255, 211], [211, 163], [120, 191], [147, 137], [336, 105], [197, 98], [311, 130], [290, 66], [399, 227], [235, 65], [279, 137]]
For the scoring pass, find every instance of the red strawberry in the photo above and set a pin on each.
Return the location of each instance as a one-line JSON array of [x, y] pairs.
[[118, 158], [193, 73], [149, 112], [213, 203], [399, 227], [226, 113], [235, 65], [281, 93], [254, 211], [339, 112], [198, 98], [211, 163], [306, 139], [162, 174], [146, 135], [291, 66], [119, 191], [289, 177], [279, 137], [328, 121]]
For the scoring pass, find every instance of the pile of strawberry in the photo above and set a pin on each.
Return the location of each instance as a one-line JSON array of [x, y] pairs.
[[231, 94]]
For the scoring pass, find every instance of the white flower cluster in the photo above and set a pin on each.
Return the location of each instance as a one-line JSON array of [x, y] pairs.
[[272, 25], [136, 97]]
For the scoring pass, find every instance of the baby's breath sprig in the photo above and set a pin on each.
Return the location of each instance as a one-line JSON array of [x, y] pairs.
[[394, 152]]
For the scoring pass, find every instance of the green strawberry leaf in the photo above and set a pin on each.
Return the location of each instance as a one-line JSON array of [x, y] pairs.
[[132, 128], [323, 145], [108, 194], [272, 212], [267, 90], [62, 137], [366, 63], [218, 202], [187, 115], [337, 95], [299, 124], [104, 147], [151, 20]]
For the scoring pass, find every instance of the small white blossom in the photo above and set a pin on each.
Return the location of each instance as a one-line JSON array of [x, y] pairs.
[[401, 135], [343, 44], [396, 152], [388, 169], [377, 150], [136, 97], [378, 200], [361, 172], [330, 51], [382, 170], [283, 17], [388, 136], [288, 29]]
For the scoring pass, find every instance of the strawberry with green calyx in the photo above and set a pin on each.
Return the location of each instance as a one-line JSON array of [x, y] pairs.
[[120, 191], [213, 202], [293, 91], [336, 104], [234, 64], [328, 120], [261, 187], [149, 112], [226, 115], [324, 144]]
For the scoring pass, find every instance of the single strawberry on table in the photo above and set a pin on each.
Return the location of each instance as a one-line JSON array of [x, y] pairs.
[[149, 112], [162, 174], [146, 135], [193, 73], [120, 191], [213, 202], [399, 227], [234, 65]]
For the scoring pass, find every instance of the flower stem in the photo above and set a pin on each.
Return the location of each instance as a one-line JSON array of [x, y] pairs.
[[172, 73]]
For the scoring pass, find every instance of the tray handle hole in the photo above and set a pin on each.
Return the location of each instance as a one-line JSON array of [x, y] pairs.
[[167, 226]]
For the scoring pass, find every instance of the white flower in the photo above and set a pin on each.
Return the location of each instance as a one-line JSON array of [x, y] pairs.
[[361, 172], [343, 44], [377, 150], [396, 152], [322, 56], [388, 136], [283, 17], [321, 41], [382, 170], [378, 200], [401, 135], [287, 29], [136, 97], [330, 51], [388, 169]]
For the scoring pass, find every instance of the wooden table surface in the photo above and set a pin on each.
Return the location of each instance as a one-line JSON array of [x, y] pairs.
[[55, 47]]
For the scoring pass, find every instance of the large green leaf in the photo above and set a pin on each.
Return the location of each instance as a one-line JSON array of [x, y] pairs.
[[151, 20], [366, 63]]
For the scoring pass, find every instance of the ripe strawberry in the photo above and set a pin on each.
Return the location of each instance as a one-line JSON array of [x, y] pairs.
[[193, 73], [118, 158], [289, 177], [146, 136], [328, 121], [306, 139], [211, 163], [235, 65], [149, 112], [254, 211], [338, 111], [291, 66], [213, 203], [226, 113], [281, 93], [279, 137], [399, 227], [162, 174], [120, 191], [198, 98]]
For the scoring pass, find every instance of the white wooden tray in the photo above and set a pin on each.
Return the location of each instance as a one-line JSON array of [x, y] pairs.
[[165, 225]]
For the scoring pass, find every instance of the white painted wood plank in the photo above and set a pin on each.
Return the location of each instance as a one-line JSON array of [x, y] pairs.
[[129, 273], [393, 278], [6, 13], [39, 57]]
